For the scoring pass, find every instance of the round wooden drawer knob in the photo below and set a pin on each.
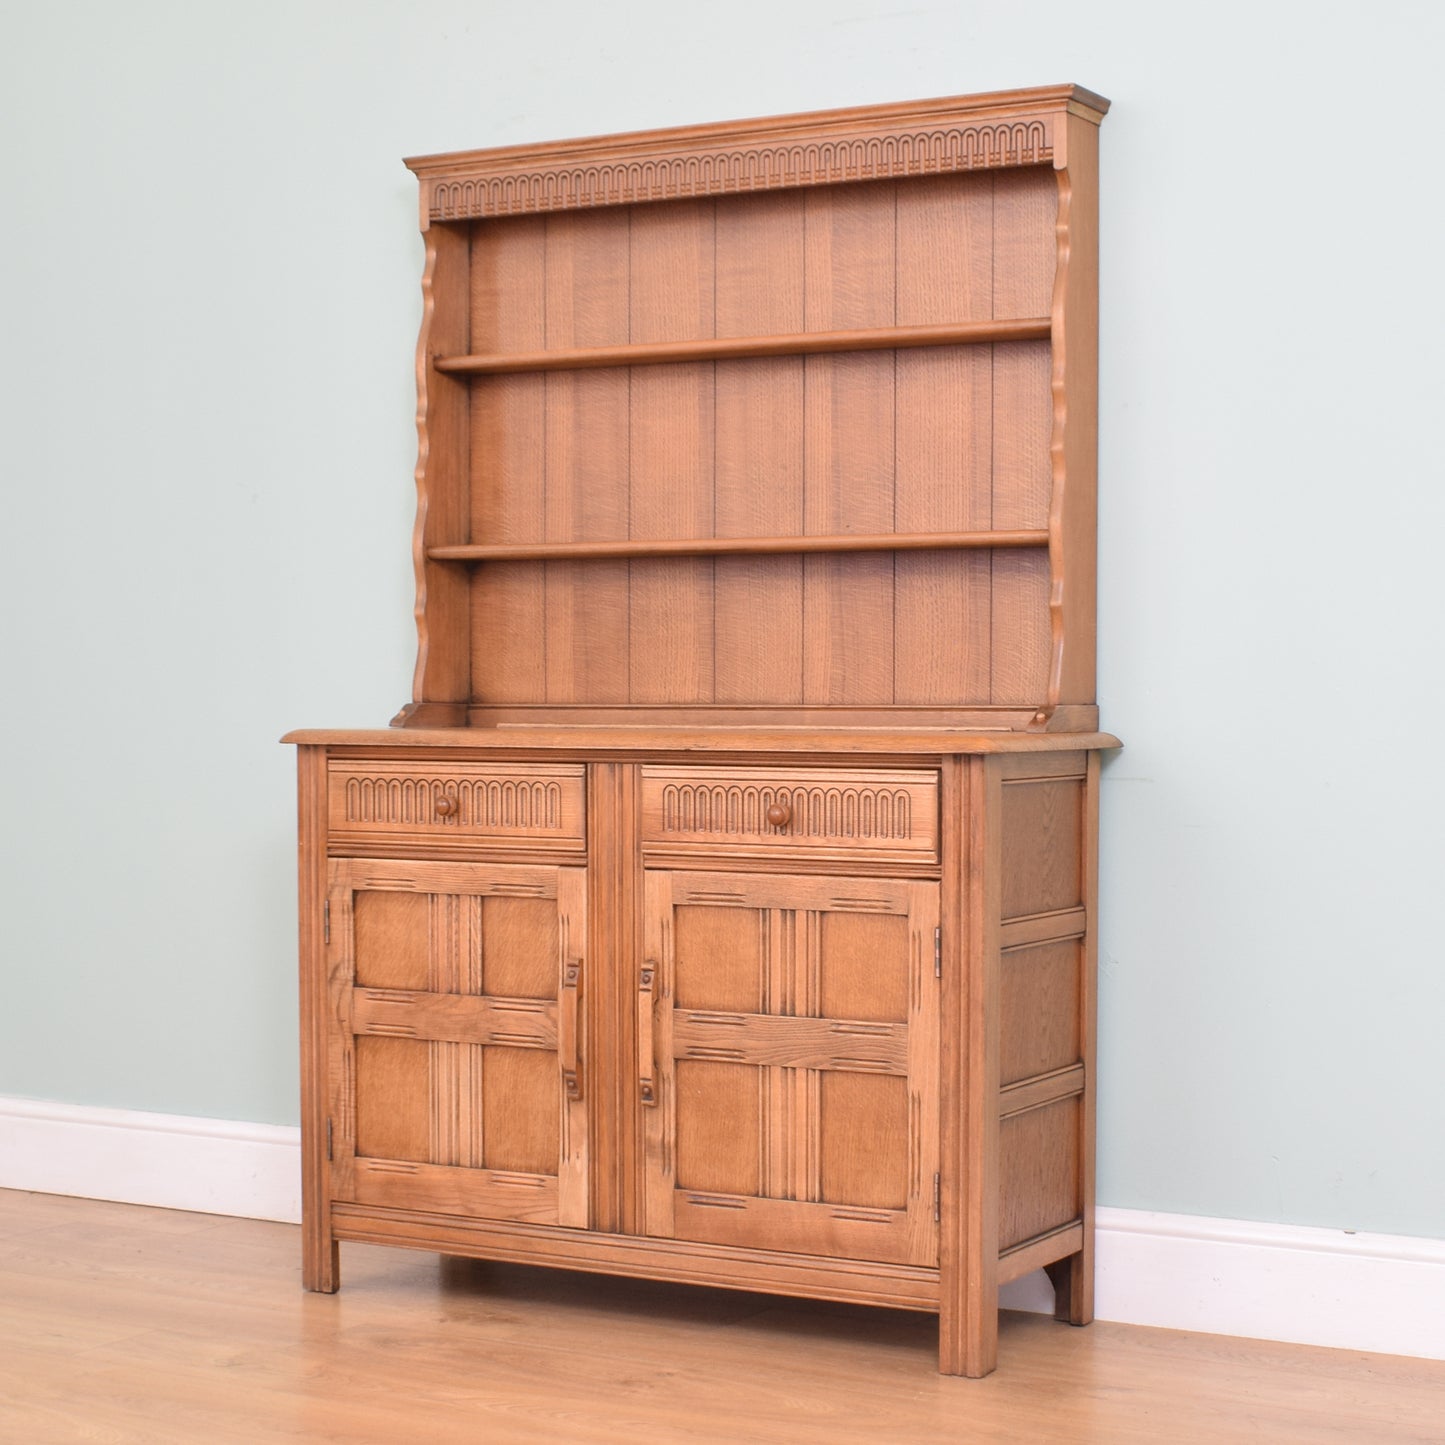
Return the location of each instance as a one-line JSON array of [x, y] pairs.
[[445, 806], [780, 814]]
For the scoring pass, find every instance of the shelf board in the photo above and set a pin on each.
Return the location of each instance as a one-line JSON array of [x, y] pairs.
[[734, 546], [881, 338]]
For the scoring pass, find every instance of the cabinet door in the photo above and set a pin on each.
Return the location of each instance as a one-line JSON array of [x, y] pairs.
[[456, 1079], [788, 1051]]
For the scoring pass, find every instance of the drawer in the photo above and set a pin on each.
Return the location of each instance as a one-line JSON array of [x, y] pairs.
[[835, 814], [453, 805]]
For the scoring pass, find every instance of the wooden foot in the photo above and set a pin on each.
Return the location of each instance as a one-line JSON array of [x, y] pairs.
[[320, 1263], [968, 1346], [1073, 1281]]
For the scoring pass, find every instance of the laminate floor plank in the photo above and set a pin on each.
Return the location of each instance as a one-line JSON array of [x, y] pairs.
[[123, 1325]]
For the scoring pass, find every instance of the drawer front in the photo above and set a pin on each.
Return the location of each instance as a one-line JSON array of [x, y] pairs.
[[836, 814], [454, 805]]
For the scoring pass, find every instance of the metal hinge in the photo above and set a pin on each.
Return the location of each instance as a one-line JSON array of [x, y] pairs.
[[937, 1198], [329, 1154], [326, 921], [938, 952]]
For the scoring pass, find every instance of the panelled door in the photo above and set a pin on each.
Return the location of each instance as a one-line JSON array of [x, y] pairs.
[[788, 1058], [456, 1079]]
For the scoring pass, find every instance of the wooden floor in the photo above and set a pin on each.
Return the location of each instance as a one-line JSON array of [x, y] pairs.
[[123, 1324]]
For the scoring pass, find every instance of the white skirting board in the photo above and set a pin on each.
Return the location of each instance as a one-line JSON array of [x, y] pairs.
[[1374, 1292]]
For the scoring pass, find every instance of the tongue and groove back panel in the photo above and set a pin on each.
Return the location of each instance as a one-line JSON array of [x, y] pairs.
[[939, 438]]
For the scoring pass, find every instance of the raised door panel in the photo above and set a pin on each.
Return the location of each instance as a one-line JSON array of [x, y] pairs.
[[788, 1051], [455, 1074]]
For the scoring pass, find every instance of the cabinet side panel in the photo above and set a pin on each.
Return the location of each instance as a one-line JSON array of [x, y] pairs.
[[1040, 1008], [1043, 860], [586, 443], [671, 456], [943, 440], [848, 439], [508, 295], [1038, 1171], [758, 607]]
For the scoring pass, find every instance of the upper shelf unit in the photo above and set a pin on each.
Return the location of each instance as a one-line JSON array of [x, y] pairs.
[[755, 414]]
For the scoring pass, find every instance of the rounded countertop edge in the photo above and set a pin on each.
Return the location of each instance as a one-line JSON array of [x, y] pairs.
[[616, 739]]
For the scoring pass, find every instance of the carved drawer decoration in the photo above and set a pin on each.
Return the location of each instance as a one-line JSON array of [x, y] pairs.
[[766, 812], [533, 805]]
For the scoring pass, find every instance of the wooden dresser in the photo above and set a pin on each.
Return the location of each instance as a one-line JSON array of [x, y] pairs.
[[722, 907]]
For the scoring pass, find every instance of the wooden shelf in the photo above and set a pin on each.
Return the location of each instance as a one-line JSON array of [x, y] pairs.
[[882, 338], [734, 546]]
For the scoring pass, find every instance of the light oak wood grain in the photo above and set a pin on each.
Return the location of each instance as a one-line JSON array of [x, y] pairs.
[[722, 906], [730, 347]]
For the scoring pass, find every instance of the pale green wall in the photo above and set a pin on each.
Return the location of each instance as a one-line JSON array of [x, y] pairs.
[[210, 292]]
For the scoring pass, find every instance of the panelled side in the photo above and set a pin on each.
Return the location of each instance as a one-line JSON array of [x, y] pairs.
[[443, 424], [1046, 823], [1074, 447]]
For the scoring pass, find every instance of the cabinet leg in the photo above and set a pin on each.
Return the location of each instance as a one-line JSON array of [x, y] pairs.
[[1073, 1281], [967, 1341], [320, 1260]]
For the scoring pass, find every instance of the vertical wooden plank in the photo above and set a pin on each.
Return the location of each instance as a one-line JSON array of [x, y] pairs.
[[574, 1153], [758, 606], [340, 1134], [449, 1086], [443, 664], [968, 1279], [586, 441], [508, 292], [614, 953], [924, 1081], [660, 1120], [1073, 1277], [1073, 522], [671, 457], [1025, 251], [944, 441], [779, 1099], [985, 883], [1024, 258], [320, 1260], [848, 468]]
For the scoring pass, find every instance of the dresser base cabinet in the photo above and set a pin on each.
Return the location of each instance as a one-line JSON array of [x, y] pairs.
[[633, 1026]]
